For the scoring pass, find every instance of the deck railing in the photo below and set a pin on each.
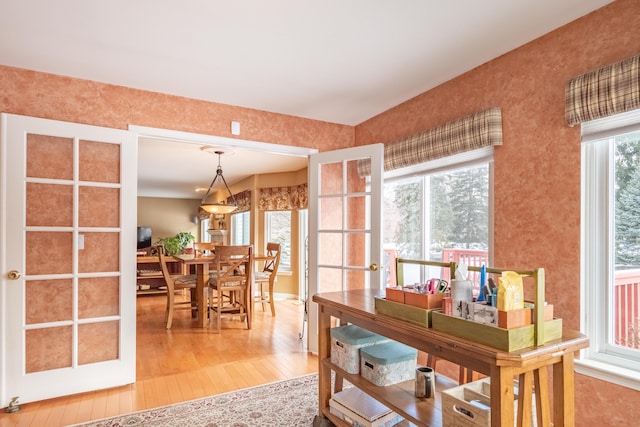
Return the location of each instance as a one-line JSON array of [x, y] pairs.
[[627, 314]]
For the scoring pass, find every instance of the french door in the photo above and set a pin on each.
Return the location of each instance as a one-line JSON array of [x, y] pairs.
[[68, 222], [345, 225]]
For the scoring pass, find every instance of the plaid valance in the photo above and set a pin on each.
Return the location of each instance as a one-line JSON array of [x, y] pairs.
[[482, 129], [604, 92], [283, 198]]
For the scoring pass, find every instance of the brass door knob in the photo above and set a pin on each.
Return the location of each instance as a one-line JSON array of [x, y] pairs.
[[14, 275], [373, 267]]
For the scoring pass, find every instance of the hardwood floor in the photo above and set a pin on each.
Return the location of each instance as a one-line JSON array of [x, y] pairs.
[[186, 363]]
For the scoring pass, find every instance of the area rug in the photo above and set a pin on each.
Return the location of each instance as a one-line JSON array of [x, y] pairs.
[[288, 403]]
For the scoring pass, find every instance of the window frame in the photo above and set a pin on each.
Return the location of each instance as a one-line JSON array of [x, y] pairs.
[[597, 264], [450, 163]]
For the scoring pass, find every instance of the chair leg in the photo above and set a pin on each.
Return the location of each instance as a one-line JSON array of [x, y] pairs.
[[262, 298], [219, 310], [169, 312], [271, 301]]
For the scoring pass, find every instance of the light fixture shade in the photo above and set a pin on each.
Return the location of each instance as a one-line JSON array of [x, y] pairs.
[[218, 208]]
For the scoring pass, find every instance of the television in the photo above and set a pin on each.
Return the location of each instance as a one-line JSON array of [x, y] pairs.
[[144, 237]]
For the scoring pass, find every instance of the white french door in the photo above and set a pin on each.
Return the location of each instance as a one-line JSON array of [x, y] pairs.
[[67, 231], [345, 225]]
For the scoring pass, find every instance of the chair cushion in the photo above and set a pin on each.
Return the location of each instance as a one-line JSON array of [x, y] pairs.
[[189, 280], [262, 275]]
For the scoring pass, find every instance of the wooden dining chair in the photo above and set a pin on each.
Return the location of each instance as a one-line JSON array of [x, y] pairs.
[[176, 282], [204, 248], [233, 277], [267, 277]]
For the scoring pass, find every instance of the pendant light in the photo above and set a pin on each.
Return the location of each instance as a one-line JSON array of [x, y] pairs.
[[219, 207]]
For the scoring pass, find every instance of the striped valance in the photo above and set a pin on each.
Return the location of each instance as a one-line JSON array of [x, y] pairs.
[[482, 129], [283, 198], [604, 92]]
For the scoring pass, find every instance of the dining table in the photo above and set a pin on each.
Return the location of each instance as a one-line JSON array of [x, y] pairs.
[[202, 263]]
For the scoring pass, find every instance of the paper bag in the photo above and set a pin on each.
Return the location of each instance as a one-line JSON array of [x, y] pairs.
[[510, 291]]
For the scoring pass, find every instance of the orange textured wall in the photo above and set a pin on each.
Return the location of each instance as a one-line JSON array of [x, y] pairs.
[[537, 170], [31, 93]]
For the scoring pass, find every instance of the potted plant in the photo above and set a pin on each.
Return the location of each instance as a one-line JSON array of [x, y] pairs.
[[176, 244]]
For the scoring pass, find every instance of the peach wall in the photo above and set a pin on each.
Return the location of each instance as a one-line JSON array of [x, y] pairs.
[[537, 169], [57, 97]]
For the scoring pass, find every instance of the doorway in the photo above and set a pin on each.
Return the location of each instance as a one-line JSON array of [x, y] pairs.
[[177, 157]]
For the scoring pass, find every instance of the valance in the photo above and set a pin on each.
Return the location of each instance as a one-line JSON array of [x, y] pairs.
[[603, 92], [479, 130], [283, 198], [243, 199]]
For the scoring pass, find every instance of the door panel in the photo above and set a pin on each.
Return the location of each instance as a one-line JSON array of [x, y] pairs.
[[345, 217], [70, 316]]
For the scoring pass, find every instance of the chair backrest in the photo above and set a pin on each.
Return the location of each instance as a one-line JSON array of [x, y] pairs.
[[204, 248], [162, 260], [234, 265], [271, 265]]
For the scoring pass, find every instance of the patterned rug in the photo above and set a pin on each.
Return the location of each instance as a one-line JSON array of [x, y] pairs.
[[291, 402]]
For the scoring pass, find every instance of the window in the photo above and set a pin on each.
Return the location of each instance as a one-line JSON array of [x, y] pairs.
[[278, 229], [241, 228], [440, 213], [610, 264], [204, 230]]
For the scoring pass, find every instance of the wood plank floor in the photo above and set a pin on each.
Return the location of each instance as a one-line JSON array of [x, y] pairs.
[[186, 363]]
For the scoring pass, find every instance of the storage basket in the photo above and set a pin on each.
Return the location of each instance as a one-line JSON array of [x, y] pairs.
[[388, 363], [346, 342]]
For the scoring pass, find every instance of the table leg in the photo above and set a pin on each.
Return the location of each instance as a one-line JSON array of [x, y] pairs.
[[202, 281], [502, 396], [525, 387], [541, 381], [563, 392], [324, 352]]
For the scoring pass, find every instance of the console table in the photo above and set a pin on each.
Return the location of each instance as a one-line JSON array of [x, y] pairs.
[[529, 365]]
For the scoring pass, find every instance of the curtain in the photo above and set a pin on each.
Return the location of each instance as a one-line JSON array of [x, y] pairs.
[[479, 130], [283, 198], [603, 92], [243, 199]]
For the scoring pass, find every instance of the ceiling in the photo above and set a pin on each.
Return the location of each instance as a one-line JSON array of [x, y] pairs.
[[332, 60]]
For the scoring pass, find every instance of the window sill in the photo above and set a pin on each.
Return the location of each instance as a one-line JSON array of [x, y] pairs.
[[607, 372]]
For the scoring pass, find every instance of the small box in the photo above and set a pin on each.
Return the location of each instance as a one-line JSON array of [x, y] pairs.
[[346, 342], [548, 311], [484, 313], [469, 405], [408, 313], [395, 294], [463, 309], [358, 409], [500, 338], [423, 300], [388, 363], [447, 306], [514, 318]]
